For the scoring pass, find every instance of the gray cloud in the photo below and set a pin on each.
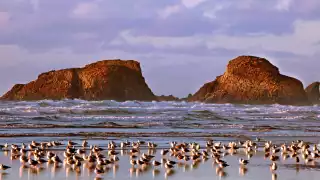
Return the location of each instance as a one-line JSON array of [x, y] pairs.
[[180, 45]]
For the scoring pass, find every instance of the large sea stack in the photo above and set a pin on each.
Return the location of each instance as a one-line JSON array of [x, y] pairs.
[[252, 80], [104, 80], [313, 92]]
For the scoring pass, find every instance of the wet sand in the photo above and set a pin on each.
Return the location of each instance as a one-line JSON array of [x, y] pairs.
[[258, 168]]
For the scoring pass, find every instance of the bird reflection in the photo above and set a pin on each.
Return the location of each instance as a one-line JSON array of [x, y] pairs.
[[115, 168], [33, 171], [297, 168], [55, 169], [132, 171], [69, 171], [220, 172], [186, 167], [152, 151], [3, 175], [169, 172], [180, 164], [274, 176], [249, 156], [243, 170], [195, 165], [98, 178], [123, 152], [138, 172], [5, 153], [155, 172]]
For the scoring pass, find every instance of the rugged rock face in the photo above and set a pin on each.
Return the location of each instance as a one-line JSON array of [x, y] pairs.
[[252, 80], [167, 98], [104, 80], [313, 92]]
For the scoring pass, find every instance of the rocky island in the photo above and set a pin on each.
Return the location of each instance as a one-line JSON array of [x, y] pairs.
[[104, 80], [313, 92], [167, 98], [252, 80], [247, 80]]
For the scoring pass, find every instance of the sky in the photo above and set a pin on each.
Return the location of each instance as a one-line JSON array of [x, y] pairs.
[[181, 44]]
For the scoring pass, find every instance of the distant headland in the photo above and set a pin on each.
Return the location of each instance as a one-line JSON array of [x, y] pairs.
[[247, 80]]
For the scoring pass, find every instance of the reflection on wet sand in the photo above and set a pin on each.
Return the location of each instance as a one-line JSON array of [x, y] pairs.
[[97, 162], [3, 175], [274, 176], [221, 172], [155, 172], [243, 170]]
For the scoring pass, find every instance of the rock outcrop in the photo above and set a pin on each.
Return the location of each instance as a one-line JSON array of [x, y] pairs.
[[313, 92], [186, 98], [252, 80], [167, 98], [104, 80]]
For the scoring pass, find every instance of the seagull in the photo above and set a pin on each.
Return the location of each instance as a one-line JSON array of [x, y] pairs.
[[186, 158], [133, 162], [139, 162], [70, 161], [274, 158], [70, 143], [171, 162], [56, 159], [23, 159], [243, 162], [40, 161], [78, 163], [33, 162], [84, 143], [164, 152], [81, 151], [273, 166], [168, 166], [4, 167], [141, 142], [34, 143], [223, 165], [112, 153], [156, 163], [99, 170]]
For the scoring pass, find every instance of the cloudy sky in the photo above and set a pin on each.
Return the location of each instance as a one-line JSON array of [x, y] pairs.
[[181, 44]]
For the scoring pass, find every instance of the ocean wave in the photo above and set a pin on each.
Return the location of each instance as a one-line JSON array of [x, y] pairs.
[[67, 115]]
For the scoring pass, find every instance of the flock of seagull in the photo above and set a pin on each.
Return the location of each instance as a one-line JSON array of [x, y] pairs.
[[37, 153]]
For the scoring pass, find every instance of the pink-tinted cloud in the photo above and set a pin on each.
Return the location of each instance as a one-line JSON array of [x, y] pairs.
[[166, 35]]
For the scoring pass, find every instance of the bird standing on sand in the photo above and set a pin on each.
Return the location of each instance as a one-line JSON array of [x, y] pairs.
[[99, 170], [156, 163], [223, 165], [274, 158], [84, 143], [168, 166], [133, 162], [23, 159], [56, 159], [77, 163], [4, 167], [273, 166], [33, 162], [70, 143], [164, 152], [243, 161]]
